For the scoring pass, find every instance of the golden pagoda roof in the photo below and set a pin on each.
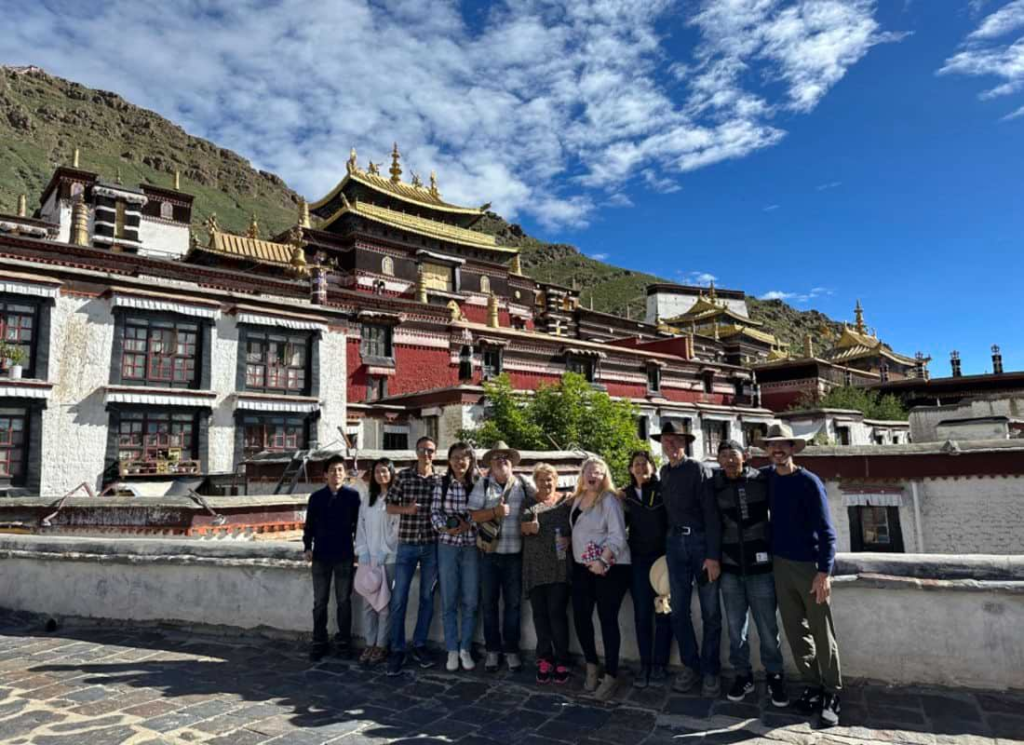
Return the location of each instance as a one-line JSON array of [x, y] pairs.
[[736, 329], [251, 249], [708, 308], [419, 225], [856, 343]]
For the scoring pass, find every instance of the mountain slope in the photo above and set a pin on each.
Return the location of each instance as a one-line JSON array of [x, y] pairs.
[[44, 118]]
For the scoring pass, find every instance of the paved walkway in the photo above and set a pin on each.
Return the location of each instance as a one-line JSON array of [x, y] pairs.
[[96, 686]]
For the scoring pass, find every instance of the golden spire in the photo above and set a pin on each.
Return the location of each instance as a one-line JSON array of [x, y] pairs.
[[517, 267], [304, 214], [492, 312], [352, 164], [177, 180], [254, 227], [298, 259], [808, 347], [858, 313], [434, 192], [74, 159], [80, 222], [421, 287], [711, 291], [22, 206], [396, 170]]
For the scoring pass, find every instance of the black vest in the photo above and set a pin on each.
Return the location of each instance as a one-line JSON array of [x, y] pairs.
[[746, 532]]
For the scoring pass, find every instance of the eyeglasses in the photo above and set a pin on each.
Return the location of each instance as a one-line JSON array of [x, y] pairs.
[[500, 459], [425, 451]]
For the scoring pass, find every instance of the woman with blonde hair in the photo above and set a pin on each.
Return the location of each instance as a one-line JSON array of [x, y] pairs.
[[600, 575], [546, 572]]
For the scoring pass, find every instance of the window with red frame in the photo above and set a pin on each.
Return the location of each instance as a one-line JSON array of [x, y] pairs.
[[13, 440], [160, 352], [273, 434], [276, 363], [152, 435], [17, 328]]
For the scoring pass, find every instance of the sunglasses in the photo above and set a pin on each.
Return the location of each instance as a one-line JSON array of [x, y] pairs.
[[425, 451]]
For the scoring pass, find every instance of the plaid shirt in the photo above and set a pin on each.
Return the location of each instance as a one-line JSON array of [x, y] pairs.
[[510, 540], [411, 488], [453, 504]]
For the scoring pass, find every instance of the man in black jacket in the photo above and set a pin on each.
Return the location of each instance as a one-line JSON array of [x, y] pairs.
[[328, 537], [746, 581]]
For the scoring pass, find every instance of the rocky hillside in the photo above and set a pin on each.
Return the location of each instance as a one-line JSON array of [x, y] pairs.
[[44, 118]]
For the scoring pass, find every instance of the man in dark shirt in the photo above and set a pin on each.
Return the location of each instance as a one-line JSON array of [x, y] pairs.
[[748, 587], [410, 497], [693, 551], [328, 535], [804, 550]]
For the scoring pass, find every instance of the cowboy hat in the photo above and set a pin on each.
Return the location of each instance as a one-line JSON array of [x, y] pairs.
[[671, 428], [660, 583], [783, 433], [372, 583], [501, 448]]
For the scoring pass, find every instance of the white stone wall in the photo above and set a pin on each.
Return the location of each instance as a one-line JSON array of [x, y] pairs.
[[925, 419], [162, 238], [665, 305], [223, 378], [841, 518], [333, 387]]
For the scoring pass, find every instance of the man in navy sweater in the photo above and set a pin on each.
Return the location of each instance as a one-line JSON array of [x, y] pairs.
[[328, 538], [804, 550]]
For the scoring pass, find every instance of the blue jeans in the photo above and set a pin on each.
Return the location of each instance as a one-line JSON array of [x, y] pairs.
[[653, 630], [459, 572], [756, 592], [685, 557], [501, 576], [409, 557]]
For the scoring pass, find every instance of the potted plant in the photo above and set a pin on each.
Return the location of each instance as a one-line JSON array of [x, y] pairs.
[[14, 357]]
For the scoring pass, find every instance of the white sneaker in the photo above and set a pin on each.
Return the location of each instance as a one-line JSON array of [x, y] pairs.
[[491, 662], [467, 660], [453, 662], [514, 663]]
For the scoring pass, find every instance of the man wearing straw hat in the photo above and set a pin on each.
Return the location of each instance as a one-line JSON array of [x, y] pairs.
[[803, 552]]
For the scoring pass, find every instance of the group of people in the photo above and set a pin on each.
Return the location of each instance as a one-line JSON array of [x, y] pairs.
[[762, 541]]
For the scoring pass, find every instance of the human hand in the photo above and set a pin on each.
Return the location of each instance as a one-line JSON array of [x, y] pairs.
[[597, 568], [821, 588], [308, 556], [502, 511], [458, 529], [530, 528], [714, 569], [563, 543]]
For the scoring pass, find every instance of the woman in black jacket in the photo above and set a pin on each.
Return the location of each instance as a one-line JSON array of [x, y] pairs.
[[648, 527]]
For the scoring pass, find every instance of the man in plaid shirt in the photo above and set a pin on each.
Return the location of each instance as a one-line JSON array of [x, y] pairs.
[[417, 546]]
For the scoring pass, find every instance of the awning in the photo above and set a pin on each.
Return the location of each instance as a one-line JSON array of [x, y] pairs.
[[150, 398], [148, 303], [287, 323], [277, 405], [28, 288], [13, 390], [872, 499]]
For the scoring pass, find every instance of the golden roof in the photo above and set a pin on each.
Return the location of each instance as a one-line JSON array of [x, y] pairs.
[[249, 249], [737, 330], [707, 308], [419, 225]]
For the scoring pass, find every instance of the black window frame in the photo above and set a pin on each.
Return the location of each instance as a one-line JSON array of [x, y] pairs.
[[376, 388], [266, 337], [376, 341], [858, 544], [710, 443], [585, 366], [266, 423], [493, 368], [654, 379], [145, 416], [395, 441], [34, 312], [23, 415], [150, 321]]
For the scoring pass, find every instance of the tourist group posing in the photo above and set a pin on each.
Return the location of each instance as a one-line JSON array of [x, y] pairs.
[[755, 541]]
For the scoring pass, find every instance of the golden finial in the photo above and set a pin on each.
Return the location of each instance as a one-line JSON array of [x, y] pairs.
[[351, 165], [434, 192], [22, 206], [396, 170], [715, 329], [177, 180], [373, 169], [416, 180], [517, 267], [254, 227], [117, 178], [808, 347], [304, 214], [80, 222], [492, 312], [298, 258], [421, 287], [858, 313], [711, 291], [74, 159], [211, 225]]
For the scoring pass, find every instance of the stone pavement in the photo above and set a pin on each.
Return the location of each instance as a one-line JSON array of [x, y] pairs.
[[103, 685]]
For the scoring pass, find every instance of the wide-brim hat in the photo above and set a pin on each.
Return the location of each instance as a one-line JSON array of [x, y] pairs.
[[501, 448], [671, 428], [372, 583], [783, 433], [662, 588]]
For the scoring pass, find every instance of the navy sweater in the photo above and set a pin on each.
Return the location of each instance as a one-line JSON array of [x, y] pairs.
[[331, 524], [802, 527]]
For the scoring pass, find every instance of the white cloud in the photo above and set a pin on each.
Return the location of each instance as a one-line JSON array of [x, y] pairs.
[[696, 277], [829, 185], [796, 297], [988, 53], [771, 208], [619, 200], [538, 106], [1014, 114], [599, 257]]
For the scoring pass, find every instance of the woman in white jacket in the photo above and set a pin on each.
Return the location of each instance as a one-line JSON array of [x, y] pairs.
[[376, 545]]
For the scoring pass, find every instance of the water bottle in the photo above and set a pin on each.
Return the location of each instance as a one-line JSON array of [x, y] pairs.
[[559, 548]]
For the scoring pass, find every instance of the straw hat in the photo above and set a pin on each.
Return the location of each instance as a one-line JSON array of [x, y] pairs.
[[660, 583], [783, 433], [501, 448]]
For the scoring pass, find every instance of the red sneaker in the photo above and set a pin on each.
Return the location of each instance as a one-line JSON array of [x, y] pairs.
[[544, 670], [561, 675]]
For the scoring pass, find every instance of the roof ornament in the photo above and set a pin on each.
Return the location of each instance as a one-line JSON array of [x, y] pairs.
[[304, 214], [344, 201], [434, 191], [454, 311], [177, 180], [80, 222], [74, 159], [22, 205], [858, 313], [492, 312], [373, 169], [117, 179], [254, 227], [298, 259], [416, 181], [485, 206], [396, 169], [351, 165], [711, 291]]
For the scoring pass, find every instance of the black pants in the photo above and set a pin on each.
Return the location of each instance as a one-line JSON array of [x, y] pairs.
[[550, 604], [654, 647], [501, 577], [323, 572], [607, 592]]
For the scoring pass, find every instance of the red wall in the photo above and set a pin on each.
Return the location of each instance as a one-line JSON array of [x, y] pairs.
[[416, 369], [478, 314]]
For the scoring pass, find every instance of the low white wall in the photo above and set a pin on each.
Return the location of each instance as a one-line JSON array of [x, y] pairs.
[[946, 620]]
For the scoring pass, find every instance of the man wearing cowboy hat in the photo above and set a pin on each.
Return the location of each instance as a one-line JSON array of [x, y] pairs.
[[693, 553], [498, 498], [804, 550]]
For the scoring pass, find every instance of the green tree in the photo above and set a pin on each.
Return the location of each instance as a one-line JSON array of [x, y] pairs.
[[567, 414], [870, 404]]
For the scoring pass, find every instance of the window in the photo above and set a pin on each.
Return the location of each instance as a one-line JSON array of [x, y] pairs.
[[376, 340], [387, 266], [431, 424], [156, 442], [161, 352], [714, 433], [843, 435], [485, 285], [376, 387], [581, 366], [653, 379], [396, 441], [18, 322], [875, 529], [274, 433], [466, 363], [752, 434], [643, 428], [276, 362], [709, 381], [13, 444], [491, 362]]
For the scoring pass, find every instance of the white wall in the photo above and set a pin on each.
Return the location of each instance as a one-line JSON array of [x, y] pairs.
[[925, 419], [162, 238], [333, 387], [664, 305]]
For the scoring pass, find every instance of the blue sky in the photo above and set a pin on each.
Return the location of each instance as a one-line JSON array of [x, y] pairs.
[[815, 150]]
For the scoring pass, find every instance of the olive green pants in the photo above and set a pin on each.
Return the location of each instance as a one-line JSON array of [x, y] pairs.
[[809, 628]]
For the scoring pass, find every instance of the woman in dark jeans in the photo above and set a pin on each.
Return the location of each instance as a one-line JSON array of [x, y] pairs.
[[648, 527]]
